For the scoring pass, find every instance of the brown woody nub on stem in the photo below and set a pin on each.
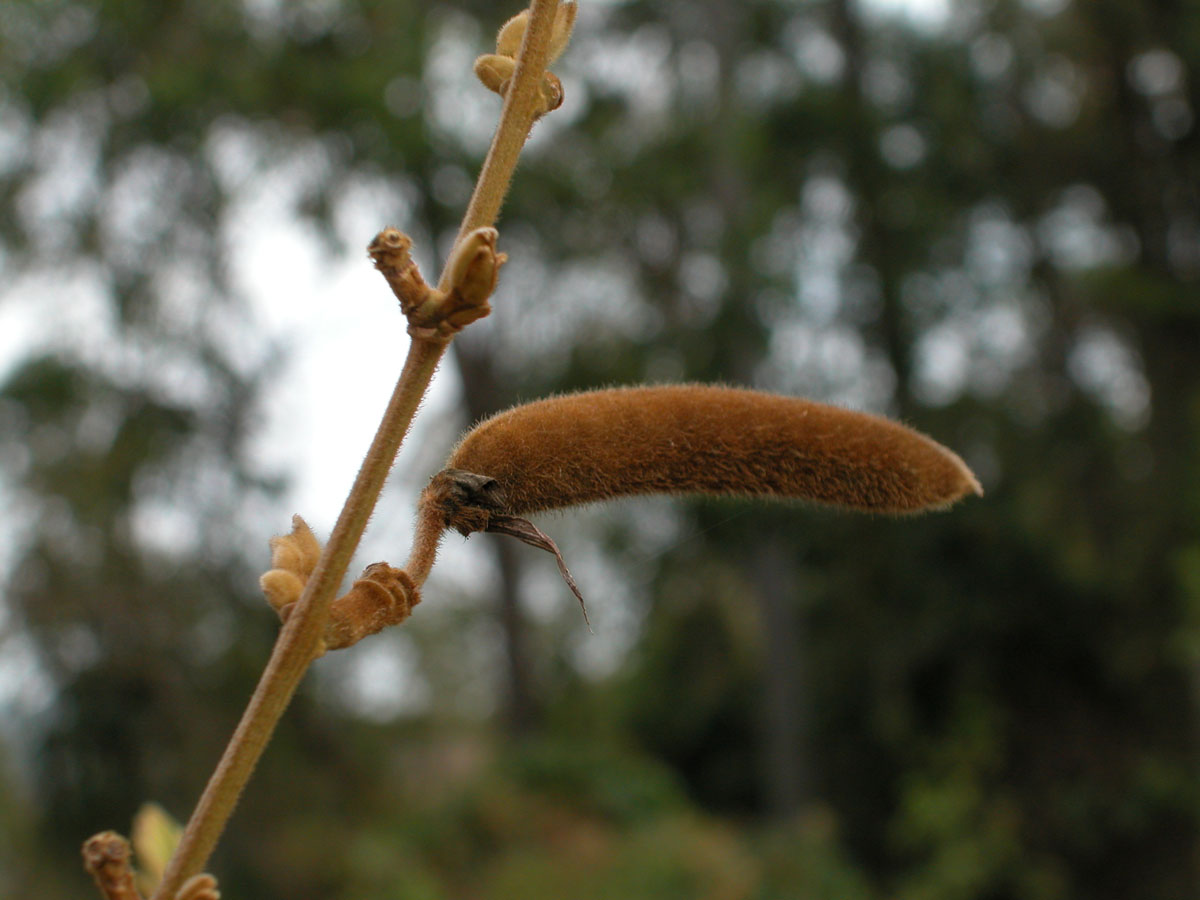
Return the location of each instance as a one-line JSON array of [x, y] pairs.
[[383, 596], [390, 251], [433, 314], [106, 859]]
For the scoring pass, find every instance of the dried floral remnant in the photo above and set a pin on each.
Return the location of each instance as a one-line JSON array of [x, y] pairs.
[[106, 859], [390, 250], [381, 597]]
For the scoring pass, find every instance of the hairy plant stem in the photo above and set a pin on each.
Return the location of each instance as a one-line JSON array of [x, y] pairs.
[[515, 121], [299, 639]]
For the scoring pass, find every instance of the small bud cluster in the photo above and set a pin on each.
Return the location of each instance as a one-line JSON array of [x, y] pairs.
[[435, 315], [383, 596], [108, 859], [495, 70], [293, 558]]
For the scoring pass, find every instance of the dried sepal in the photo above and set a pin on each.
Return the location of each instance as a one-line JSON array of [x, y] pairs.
[[525, 531], [106, 858], [469, 502], [382, 596], [199, 887], [390, 250]]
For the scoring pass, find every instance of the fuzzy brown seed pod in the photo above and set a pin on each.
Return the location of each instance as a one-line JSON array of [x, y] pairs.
[[598, 445], [688, 439]]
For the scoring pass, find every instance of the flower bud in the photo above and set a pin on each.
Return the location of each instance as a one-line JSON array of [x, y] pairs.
[[473, 268], [512, 32], [495, 72], [281, 587], [508, 41]]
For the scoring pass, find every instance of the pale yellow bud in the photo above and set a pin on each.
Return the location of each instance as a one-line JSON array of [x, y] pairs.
[[495, 72], [564, 24], [280, 587], [308, 545], [155, 837], [508, 40], [473, 267]]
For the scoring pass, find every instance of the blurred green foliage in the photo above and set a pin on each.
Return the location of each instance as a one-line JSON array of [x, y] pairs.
[[990, 228]]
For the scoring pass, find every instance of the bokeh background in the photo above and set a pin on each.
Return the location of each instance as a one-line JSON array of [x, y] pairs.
[[981, 217]]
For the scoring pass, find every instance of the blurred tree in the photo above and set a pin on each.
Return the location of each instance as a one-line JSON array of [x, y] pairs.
[[989, 228]]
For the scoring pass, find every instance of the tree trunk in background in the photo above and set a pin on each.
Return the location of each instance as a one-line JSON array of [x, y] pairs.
[[866, 172], [521, 706], [786, 776], [481, 398]]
